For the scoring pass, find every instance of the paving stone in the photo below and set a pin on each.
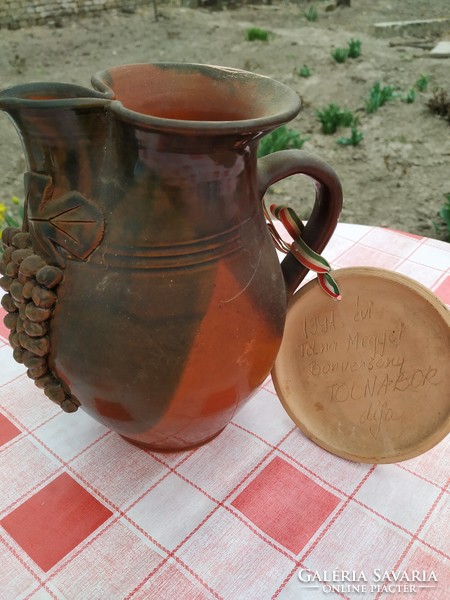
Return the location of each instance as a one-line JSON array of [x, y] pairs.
[[441, 50], [418, 28]]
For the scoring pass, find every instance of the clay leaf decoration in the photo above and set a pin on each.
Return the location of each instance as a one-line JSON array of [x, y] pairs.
[[70, 226]]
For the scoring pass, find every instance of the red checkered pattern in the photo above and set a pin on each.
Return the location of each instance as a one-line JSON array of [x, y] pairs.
[[84, 515], [54, 520], [8, 430]]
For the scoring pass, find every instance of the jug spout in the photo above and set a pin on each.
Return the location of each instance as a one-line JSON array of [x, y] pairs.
[[63, 130], [50, 117]]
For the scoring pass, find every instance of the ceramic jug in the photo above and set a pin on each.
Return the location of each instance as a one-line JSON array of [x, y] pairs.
[[144, 285]]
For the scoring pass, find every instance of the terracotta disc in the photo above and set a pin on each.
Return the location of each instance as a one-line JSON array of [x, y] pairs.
[[367, 377]]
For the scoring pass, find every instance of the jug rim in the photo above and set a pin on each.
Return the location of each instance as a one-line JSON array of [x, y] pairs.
[[49, 94], [285, 109]]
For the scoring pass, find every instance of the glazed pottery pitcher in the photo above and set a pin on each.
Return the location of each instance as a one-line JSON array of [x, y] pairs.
[[144, 285]]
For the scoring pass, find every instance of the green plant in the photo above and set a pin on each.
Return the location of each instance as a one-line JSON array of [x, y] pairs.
[[444, 214], [340, 55], [378, 96], [11, 215], [354, 48], [304, 71], [410, 96], [311, 13], [332, 117], [282, 138], [255, 33], [422, 83], [354, 139]]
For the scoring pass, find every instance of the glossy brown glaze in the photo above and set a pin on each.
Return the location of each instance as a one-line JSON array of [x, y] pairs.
[[147, 193]]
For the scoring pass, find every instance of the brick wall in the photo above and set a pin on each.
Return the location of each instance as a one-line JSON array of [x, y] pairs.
[[22, 13]]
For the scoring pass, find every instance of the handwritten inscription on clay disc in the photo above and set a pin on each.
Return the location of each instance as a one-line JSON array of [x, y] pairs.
[[367, 376]]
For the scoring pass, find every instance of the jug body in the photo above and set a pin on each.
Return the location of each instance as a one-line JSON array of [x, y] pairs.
[[167, 304], [178, 316]]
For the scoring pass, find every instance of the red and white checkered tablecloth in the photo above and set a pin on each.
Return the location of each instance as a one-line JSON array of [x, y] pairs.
[[260, 512]]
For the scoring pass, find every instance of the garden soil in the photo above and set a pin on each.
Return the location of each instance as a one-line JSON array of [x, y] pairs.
[[396, 177]]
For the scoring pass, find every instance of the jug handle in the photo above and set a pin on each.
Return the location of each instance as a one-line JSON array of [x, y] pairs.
[[327, 207]]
